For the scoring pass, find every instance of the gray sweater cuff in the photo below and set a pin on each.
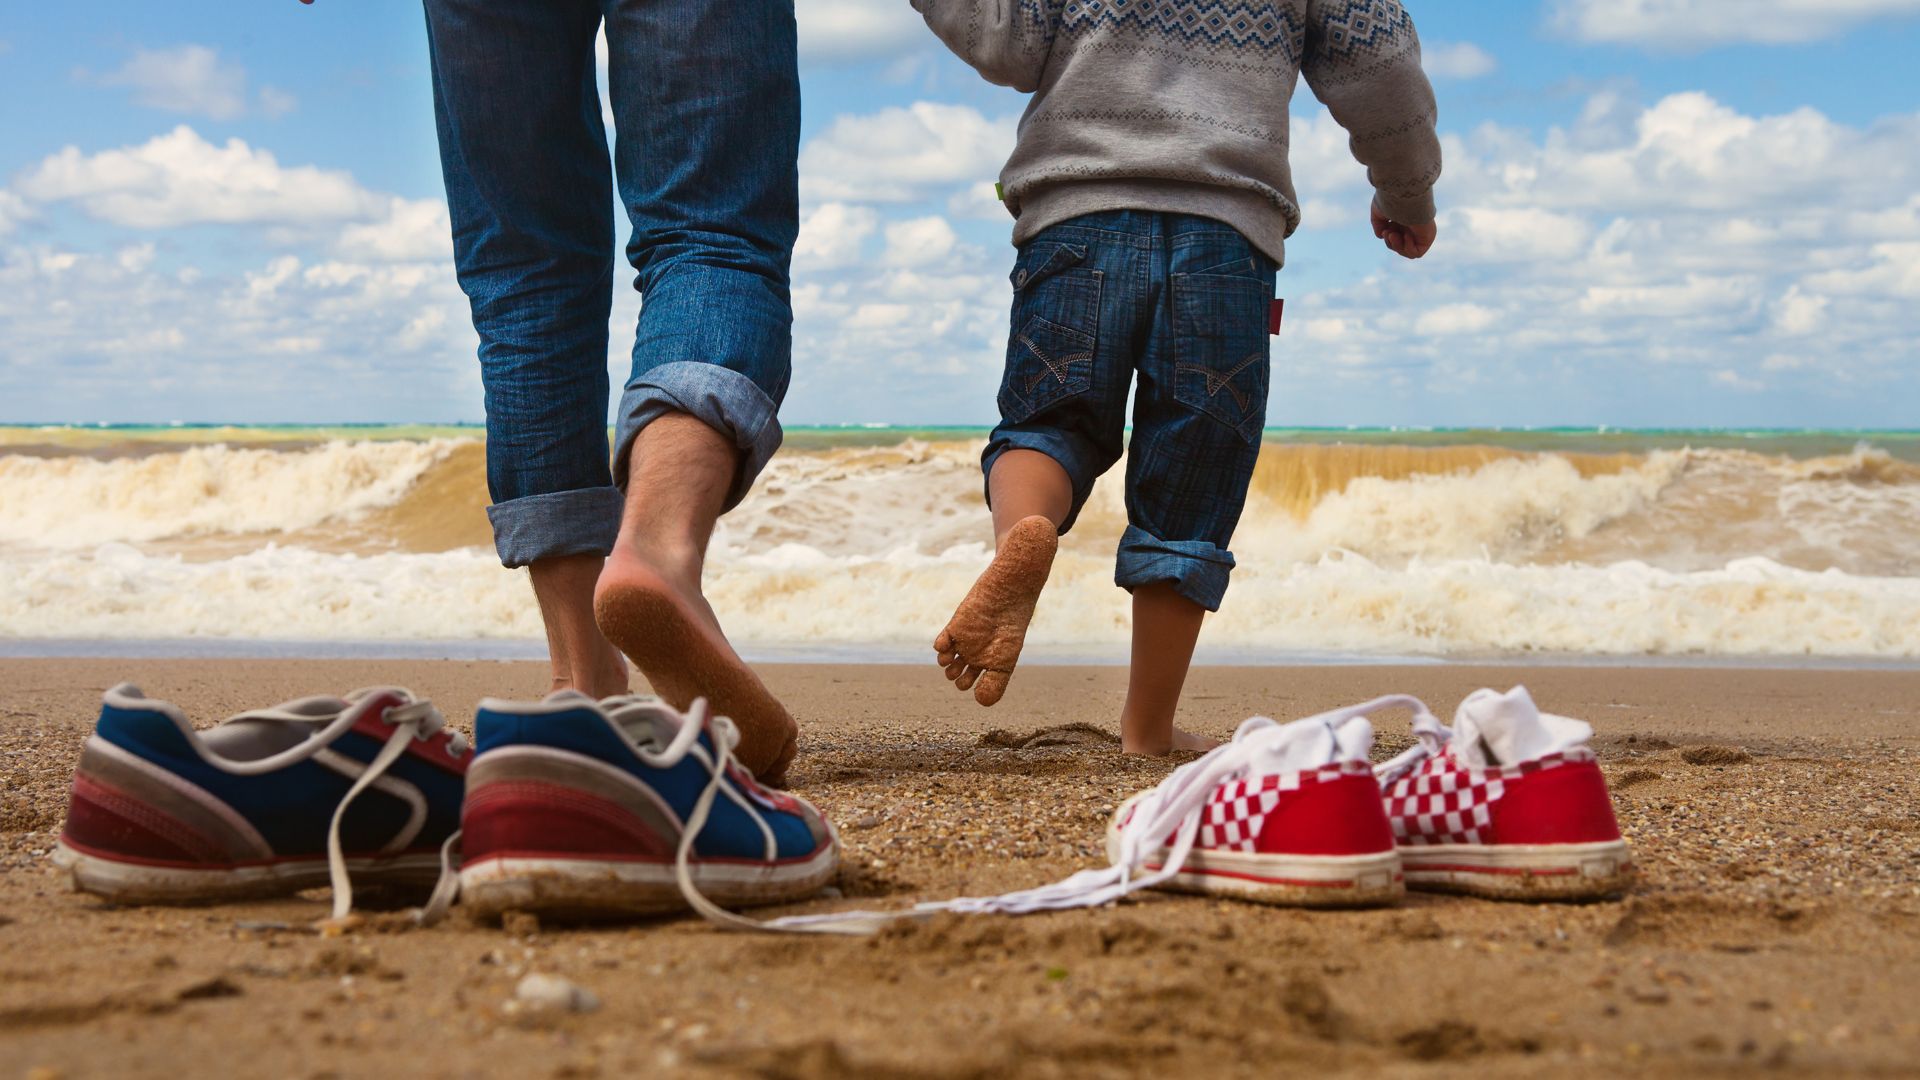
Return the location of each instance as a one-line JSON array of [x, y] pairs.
[[1405, 209]]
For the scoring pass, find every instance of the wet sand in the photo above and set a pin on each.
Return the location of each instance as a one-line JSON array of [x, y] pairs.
[[1776, 816]]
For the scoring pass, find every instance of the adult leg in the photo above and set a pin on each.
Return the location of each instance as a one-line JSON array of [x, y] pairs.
[[706, 102], [523, 151]]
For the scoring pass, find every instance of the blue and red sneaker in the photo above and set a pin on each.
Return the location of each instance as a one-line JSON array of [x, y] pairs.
[[625, 807], [267, 803]]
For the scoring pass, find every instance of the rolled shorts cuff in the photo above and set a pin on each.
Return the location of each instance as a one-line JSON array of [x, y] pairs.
[[722, 398], [1197, 569], [1081, 472], [579, 522]]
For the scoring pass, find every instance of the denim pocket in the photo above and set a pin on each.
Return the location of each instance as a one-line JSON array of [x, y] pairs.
[[1056, 322], [1220, 348]]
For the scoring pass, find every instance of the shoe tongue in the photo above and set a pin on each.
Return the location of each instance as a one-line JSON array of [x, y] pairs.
[[265, 732], [1311, 743], [1492, 729], [648, 721]]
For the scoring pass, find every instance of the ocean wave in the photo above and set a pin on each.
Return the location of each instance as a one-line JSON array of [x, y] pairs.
[[795, 594], [68, 502]]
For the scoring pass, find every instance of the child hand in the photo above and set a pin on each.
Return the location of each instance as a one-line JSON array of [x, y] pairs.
[[1406, 241]]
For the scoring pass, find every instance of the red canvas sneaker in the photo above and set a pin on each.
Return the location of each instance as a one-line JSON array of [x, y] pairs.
[[1285, 814], [1509, 803]]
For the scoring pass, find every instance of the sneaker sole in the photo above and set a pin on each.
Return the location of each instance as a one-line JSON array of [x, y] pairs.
[[593, 888], [1313, 881], [140, 883], [1522, 871]]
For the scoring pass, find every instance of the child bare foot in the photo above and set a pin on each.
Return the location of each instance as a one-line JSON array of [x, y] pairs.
[[982, 642], [1184, 742], [670, 634]]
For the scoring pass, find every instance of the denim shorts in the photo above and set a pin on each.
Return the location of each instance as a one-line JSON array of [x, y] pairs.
[[1172, 306]]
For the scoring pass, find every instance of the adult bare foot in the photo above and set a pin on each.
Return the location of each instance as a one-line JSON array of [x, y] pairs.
[[982, 642], [603, 674], [666, 628]]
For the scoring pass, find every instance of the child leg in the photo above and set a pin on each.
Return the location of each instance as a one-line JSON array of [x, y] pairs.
[[1024, 484], [1165, 627], [1063, 418], [1199, 408]]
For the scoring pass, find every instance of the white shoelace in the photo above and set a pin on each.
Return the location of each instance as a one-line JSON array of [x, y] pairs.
[[417, 720], [1430, 740], [1173, 808], [685, 741]]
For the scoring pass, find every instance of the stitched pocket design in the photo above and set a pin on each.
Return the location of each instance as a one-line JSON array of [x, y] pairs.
[[1220, 349], [1056, 321]]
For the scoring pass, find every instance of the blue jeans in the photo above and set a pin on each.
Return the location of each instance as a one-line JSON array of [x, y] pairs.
[[1177, 304], [706, 102]]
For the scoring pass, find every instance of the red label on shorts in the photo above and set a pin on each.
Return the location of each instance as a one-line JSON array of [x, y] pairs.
[[1274, 311]]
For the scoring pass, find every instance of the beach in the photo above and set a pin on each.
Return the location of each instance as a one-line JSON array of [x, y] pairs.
[[1774, 812]]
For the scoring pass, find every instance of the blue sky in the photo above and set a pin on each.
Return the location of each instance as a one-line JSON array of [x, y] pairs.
[[1689, 212]]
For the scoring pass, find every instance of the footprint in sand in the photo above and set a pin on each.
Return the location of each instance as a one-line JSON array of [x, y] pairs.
[[1076, 735]]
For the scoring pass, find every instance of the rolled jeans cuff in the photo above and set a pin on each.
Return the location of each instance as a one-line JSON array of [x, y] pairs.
[[722, 398], [579, 522], [1064, 450], [1197, 569]]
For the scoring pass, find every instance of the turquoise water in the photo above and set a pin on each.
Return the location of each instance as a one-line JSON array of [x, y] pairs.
[[1786, 442]]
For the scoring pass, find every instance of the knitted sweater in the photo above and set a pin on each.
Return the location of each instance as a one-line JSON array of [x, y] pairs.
[[1181, 105]]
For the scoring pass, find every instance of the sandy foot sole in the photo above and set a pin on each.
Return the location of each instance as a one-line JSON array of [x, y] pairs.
[[982, 642], [136, 883], [1522, 871], [643, 617], [589, 888]]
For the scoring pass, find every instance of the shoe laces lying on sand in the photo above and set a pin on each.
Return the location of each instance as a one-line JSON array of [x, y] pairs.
[[1174, 809]]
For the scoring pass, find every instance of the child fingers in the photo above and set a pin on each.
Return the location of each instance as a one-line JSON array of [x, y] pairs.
[[955, 669], [943, 644], [967, 677]]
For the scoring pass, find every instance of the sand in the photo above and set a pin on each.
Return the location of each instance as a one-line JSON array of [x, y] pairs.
[[1776, 814]]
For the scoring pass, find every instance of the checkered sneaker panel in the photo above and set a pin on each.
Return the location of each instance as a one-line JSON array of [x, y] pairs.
[[1444, 802], [1233, 815]]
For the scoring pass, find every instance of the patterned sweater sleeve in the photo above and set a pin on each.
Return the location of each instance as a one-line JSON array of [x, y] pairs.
[[1006, 41], [1363, 62]]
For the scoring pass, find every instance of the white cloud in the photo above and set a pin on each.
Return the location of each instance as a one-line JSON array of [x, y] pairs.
[[13, 211], [832, 235], [181, 179], [978, 201], [1799, 313], [276, 102], [1456, 60], [192, 79], [840, 31], [898, 154], [1514, 234], [920, 242], [1670, 25], [1643, 245], [282, 340], [1455, 319], [408, 229]]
